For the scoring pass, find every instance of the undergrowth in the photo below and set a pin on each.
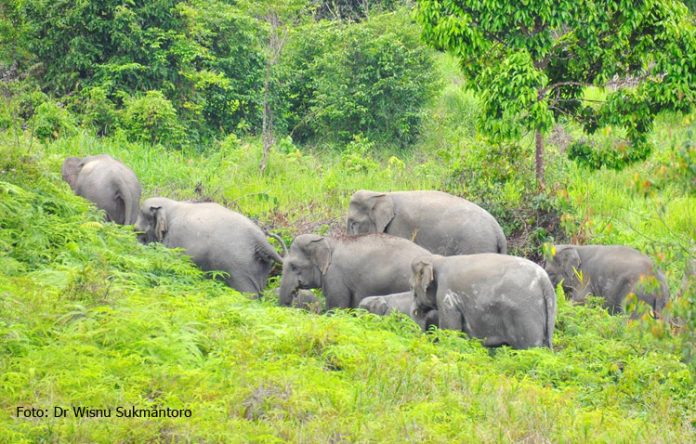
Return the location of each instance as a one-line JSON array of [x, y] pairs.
[[90, 317]]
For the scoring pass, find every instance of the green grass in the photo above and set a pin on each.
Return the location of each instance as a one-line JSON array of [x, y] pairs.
[[89, 317]]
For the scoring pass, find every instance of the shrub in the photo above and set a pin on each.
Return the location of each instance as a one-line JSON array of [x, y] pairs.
[[98, 111], [152, 118], [51, 121], [371, 78], [608, 150]]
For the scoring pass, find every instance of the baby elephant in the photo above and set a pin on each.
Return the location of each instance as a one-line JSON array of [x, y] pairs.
[[401, 302], [504, 300], [107, 183], [347, 269], [216, 239], [608, 271], [439, 222]]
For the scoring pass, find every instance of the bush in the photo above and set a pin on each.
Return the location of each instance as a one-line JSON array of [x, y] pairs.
[[98, 111], [152, 118], [499, 177], [51, 121], [371, 78], [608, 150]]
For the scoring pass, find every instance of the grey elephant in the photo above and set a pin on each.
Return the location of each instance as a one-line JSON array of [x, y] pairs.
[[107, 183], [608, 271], [439, 222], [215, 238], [304, 300], [402, 302], [347, 269], [504, 300]]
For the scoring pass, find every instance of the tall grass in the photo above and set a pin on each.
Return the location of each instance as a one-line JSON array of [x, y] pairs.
[[89, 317]]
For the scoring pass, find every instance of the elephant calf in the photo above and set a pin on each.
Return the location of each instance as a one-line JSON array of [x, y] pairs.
[[504, 300], [107, 183], [608, 271], [401, 302], [216, 239], [439, 222], [347, 269]]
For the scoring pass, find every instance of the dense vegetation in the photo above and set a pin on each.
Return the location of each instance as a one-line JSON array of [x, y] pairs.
[[180, 91]]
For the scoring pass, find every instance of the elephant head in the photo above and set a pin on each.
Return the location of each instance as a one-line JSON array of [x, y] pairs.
[[369, 212], [151, 223], [563, 267], [424, 285], [305, 264], [70, 170]]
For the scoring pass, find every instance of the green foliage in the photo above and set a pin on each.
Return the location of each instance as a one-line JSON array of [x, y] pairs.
[[356, 156], [152, 118], [51, 121], [607, 151], [203, 56], [530, 62], [352, 10], [97, 111], [140, 326], [371, 78], [498, 177]]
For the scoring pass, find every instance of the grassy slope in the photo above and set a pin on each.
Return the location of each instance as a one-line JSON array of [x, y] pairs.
[[89, 317]]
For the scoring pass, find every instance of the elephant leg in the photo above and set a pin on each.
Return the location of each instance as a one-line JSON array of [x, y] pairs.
[[495, 341], [243, 284], [451, 319], [338, 295]]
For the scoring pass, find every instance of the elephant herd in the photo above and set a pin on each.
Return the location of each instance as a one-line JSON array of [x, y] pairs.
[[438, 258]]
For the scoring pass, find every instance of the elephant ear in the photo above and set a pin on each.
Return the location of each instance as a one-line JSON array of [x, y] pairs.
[[568, 259], [160, 217], [318, 250], [70, 170], [423, 275], [381, 210]]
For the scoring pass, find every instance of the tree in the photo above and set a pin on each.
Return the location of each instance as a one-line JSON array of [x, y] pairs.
[[531, 60]]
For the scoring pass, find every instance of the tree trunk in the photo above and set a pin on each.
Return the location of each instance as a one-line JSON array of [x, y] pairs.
[[539, 159], [267, 122], [276, 41]]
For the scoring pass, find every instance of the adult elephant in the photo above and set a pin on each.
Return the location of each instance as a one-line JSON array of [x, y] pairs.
[[608, 271], [347, 269], [441, 223], [107, 183], [399, 302], [216, 239], [504, 300]]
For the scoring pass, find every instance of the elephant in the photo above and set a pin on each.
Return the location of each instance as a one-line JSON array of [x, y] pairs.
[[402, 302], [349, 268], [304, 300], [439, 222], [215, 238], [504, 300], [107, 183], [608, 271]]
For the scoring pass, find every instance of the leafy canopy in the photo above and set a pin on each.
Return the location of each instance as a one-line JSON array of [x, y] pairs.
[[531, 60]]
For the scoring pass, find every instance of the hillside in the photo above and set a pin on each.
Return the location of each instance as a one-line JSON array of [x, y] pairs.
[[331, 97], [91, 318]]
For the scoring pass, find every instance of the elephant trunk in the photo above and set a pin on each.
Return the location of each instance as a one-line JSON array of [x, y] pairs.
[[288, 287]]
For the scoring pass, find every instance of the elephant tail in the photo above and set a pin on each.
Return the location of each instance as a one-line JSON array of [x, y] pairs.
[[131, 200], [266, 250], [502, 241], [550, 304], [281, 242]]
